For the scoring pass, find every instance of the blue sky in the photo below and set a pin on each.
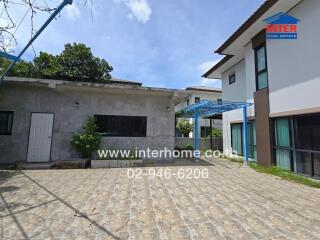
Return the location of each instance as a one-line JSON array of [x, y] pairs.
[[162, 43]]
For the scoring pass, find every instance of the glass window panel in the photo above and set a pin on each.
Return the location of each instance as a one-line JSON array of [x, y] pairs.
[[315, 132], [316, 159], [236, 136], [262, 80], [261, 59], [232, 78], [252, 140], [282, 132], [316, 162], [6, 122], [205, 131], [303, 163], [283, 158], [252, 152], [122, 126], [303, 133]]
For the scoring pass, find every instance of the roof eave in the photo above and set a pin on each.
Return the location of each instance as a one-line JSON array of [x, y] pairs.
[[217, 66], [248, 23]]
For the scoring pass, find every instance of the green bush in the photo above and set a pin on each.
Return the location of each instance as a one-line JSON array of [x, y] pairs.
[[88, 141], [188, 147], [216, 132]]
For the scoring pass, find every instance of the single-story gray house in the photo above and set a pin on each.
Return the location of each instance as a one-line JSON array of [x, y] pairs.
[[39, 116]]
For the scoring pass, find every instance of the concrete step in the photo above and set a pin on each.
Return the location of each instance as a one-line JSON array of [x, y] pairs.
[[31, 166]]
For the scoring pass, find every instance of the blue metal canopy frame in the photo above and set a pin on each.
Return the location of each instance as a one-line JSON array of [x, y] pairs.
[[209, 108], [15, 59]]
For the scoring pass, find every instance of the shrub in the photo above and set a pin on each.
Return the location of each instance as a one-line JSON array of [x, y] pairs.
[[188, 147], [88, 141]]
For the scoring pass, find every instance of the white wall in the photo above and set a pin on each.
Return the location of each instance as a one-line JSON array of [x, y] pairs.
[[294, 65], [240, 91], [235, 91], [293, 68]]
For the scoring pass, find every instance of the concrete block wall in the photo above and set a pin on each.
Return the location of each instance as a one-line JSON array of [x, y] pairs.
[[71, 107]]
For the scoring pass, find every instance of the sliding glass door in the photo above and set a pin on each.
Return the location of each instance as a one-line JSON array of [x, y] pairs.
[[307, 141], [282, 143], [252, 142], [236, 138], [297, 144]]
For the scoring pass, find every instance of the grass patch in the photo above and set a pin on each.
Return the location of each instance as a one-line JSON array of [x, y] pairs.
[[286, 175]]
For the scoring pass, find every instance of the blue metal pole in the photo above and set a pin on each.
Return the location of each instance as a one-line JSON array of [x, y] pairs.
[[196, 133], [53, 15], [245, 136]]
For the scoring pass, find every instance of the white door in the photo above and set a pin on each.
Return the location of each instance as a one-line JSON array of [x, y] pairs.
[[40, 137]]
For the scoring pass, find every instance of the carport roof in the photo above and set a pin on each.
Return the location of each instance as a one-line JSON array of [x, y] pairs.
[[208, 108]]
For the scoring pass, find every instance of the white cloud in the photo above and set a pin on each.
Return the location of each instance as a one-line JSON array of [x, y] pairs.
[[204, 67], [73, 11], [140, 9]]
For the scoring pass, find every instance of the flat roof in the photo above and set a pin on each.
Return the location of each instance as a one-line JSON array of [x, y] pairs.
[[121, 81], [204, 89], [115, 87]]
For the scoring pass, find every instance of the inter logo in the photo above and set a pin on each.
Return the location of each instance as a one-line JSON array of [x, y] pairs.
[[282, 26]]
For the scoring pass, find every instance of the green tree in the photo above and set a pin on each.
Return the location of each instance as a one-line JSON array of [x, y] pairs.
[[77, 61], [23, 69], [184, 126], [47, 65]]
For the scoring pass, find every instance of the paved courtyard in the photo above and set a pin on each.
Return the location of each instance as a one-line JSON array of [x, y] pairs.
[[234, 202]]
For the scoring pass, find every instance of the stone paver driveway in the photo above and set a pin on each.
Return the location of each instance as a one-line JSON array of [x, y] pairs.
[[234, 202]]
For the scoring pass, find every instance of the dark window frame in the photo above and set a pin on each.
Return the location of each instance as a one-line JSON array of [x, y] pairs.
[[196, 99], [122, 132], [265, 70], [230, 78], [10, 130]]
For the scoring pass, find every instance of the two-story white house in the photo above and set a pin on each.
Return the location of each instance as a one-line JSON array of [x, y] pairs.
[[282, 78], [196, 94]]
